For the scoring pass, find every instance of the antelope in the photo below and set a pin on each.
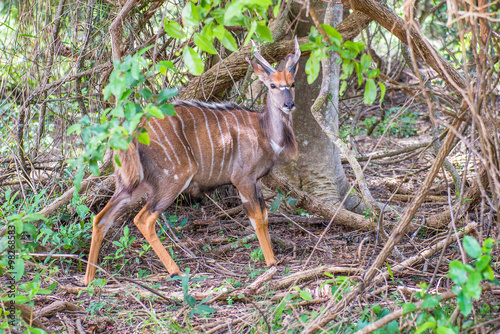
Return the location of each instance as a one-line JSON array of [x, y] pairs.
[[204, 146]]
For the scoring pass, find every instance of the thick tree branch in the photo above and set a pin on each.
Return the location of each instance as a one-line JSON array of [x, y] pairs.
[[384, 16], [233, 68]]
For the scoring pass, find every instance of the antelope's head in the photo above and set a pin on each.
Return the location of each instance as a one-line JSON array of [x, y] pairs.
[[281, 85]]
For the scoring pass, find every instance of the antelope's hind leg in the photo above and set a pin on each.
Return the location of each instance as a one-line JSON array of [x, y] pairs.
[[104, 220], [146, 218], [253, 202]]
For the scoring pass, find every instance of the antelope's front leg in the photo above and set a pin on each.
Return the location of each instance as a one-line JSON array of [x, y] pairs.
[[254, 204]]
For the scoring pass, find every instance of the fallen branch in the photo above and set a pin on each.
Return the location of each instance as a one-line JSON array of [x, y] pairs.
[[312, 205], [470, 200], [58, 306], [389, 154], [310, 274], [410, 262]]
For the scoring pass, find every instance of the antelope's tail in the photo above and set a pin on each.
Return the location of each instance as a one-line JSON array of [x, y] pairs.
[[130, 173]]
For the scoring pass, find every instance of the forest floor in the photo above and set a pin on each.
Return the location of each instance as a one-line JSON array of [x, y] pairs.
[[233, 291]]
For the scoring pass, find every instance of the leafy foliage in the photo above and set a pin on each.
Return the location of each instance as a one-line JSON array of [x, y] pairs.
[[348, 52]]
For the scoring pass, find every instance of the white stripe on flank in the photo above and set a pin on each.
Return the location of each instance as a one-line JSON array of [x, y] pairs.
[[159, 143], [256, 138], [248, 133], [187, 141], [197, 140], [231, 140], [211, 144], [223, 143], [186, 184], [168, 142], [180, 140], [238, 132]]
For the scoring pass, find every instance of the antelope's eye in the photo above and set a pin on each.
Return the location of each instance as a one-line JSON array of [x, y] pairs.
[[293, 85], [273, 86]]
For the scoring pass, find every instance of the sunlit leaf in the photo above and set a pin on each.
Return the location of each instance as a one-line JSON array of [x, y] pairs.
[[193, 61]]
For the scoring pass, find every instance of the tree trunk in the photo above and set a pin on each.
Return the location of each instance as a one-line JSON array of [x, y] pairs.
[[317, 169]]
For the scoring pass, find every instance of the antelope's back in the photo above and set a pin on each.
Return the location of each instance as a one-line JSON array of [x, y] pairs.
[[213, 142]]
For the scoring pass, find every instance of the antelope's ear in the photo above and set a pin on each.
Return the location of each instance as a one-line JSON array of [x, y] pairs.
[[259, 70]]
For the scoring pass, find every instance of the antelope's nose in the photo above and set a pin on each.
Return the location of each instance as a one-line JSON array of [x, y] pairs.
[[289, 105]]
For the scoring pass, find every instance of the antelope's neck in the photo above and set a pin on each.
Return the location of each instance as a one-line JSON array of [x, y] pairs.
[[274, 123]]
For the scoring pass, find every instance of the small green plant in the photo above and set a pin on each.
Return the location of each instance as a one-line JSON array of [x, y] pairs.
[[275, 205], [435, 315], [123, 245], [257, 255], [394, 122], [196, 307]]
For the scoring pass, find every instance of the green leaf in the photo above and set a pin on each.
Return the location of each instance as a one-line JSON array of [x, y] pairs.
[[483, 262], [343, 86], [204, 44], [291, 201], [190, 300], [167, 109], [146, 93], [464, 304], [382, 91], [251, 31], [336, 37], [409, 307], [166, 95], [473, 286], [304, 294], [82, 210], [164, 65], [18, 269], [489, 274], [366, 61], [472, 247], [205, 309], [445, 330], [153, 111], [143, 138], [76, 128], [31, 230], [233, 9], [34, 217], [173, 29], [276, 9], [190, 15], [370, 91], [263, 32], [429, 302], [312, 67], [275, 205], [193, 61], [425, 326], [376, 308], [390, 271], [226, 38], [488, 245], [457, 272]]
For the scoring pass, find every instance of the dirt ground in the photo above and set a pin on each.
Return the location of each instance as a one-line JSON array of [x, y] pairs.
[[228, 274]]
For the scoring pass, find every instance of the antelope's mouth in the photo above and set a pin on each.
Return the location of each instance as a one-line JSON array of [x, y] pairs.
[[287, 110]]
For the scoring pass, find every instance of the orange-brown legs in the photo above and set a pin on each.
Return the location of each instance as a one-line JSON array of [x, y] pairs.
[[102, 222], [145, 221], [253, 202]]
